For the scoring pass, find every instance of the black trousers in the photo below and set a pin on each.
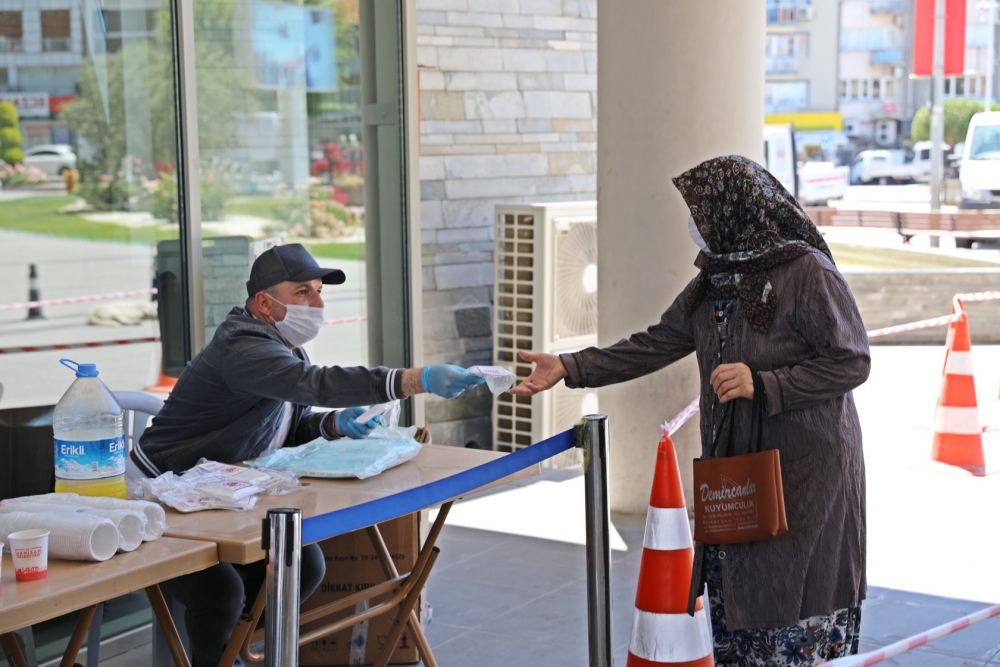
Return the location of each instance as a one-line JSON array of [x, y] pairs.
[[216, 597]]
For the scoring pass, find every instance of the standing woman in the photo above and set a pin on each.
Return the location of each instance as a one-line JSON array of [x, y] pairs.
[[770, 301]]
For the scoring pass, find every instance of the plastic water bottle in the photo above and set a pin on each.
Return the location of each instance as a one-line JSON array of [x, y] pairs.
[[89, 437]]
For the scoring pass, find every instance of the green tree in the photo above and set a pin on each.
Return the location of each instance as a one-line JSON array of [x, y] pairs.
[[957, 115], [10, 134]]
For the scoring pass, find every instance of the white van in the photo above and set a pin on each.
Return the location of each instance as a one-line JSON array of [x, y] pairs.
[[779, 155], [980, 176], [813, 182]]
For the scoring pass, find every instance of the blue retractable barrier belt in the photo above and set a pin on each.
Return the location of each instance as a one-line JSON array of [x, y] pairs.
[[406, 502]]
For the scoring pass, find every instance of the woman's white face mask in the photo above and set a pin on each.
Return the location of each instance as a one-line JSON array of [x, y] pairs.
[[301, 324], [695, 234]]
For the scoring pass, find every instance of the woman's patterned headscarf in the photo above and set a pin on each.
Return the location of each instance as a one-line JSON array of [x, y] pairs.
[[750, 224]]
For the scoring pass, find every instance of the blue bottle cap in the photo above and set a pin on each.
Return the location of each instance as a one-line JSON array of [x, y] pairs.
[[82, 370]]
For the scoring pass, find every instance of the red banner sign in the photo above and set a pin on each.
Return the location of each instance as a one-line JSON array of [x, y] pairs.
[[954, 37]]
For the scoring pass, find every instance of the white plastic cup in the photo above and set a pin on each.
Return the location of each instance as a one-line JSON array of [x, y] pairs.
[[30, 550]]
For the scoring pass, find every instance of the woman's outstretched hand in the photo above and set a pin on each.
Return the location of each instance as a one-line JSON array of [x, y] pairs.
[[732, 381], [549, 370]]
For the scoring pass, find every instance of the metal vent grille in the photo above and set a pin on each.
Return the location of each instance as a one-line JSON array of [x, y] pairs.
[[545, 300], [515, 324]]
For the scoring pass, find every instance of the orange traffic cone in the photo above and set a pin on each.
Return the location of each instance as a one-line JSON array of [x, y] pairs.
[[164, 384], [662, 631], [958, 435]]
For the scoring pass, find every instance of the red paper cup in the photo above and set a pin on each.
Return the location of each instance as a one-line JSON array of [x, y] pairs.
[[30, 550]]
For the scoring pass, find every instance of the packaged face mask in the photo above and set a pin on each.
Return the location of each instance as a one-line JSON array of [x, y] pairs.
[[498, 379]]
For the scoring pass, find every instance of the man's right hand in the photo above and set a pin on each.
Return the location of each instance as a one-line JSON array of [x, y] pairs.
[[549, 370], [448, 381]]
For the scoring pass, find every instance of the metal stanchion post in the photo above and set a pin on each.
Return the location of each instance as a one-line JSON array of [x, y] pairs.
[[282, 540], [592, 435]]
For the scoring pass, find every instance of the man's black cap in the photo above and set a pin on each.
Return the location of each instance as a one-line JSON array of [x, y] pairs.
[[292, 263]]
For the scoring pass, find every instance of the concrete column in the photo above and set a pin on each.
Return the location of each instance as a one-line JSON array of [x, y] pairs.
[[678, 83]]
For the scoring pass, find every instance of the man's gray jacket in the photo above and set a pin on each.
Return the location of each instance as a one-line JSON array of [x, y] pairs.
[[228, 402]]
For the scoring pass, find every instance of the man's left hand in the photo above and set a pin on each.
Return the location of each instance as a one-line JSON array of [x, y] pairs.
[[732, 381], [350, 427]]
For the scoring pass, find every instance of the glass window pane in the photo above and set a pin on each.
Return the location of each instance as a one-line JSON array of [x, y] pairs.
[[55, 30], [887, 90], [96, 196], [11, 32], [876, 89], [854, 89], [960, 85], [279, 113]]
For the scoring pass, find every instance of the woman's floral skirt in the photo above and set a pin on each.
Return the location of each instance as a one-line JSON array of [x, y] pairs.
[[810, 642]]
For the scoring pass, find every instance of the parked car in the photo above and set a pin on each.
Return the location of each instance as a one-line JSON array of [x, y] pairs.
[[809, 182], [886, 167], [53, 159]]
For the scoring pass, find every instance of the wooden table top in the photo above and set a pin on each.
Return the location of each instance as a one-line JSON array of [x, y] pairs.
[[238, 533], [72, 585]]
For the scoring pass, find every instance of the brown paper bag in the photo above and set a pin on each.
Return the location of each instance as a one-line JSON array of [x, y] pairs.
[[739, 498]]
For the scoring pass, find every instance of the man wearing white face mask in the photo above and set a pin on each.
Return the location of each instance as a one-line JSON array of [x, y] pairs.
[[252, 388]]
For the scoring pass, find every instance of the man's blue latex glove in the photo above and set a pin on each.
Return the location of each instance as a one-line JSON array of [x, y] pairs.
[[349, 426], [448, 381]]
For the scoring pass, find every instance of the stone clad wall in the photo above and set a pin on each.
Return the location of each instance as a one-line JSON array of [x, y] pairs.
[[508, 114], [888, 298]]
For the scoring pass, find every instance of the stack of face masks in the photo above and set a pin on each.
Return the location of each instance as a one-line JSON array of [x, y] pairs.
[[213, 485]]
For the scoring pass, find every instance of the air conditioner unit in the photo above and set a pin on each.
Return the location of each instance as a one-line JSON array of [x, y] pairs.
[[545, 301], [805, 13]]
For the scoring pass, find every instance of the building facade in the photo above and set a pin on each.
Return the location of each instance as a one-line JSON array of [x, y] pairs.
[[800, 56], [878, 96], [43, 44]]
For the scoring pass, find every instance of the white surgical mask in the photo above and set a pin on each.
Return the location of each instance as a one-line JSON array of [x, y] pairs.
[[301, 324], [695, 234]]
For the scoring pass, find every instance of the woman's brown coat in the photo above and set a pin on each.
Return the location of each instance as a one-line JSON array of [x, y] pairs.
[[815, 353]]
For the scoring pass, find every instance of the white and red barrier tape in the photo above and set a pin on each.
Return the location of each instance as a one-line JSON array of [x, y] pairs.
[[78, 299], [348, 320], [978, 296], [682, 418], [910, 643], [913, 326], [74, 346], [131, 341]]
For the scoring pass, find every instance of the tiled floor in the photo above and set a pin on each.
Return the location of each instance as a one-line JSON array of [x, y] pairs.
[[501, 599]]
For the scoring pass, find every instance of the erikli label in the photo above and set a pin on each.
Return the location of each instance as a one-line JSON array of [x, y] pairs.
[[90, 459]]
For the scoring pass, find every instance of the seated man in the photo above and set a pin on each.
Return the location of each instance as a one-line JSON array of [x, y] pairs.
[[251, 389]]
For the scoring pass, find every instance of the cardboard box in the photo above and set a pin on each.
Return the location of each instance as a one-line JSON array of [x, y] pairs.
[[353, 566]]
